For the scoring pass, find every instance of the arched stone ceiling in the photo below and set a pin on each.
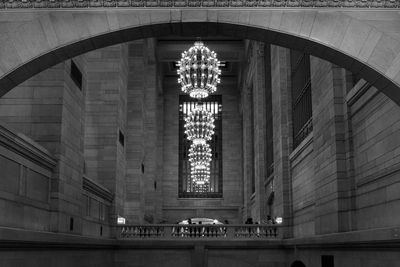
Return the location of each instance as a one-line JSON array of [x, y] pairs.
[[365, 41]]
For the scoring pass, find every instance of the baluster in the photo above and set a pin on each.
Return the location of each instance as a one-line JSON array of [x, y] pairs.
[[173, 231], [141, 231]]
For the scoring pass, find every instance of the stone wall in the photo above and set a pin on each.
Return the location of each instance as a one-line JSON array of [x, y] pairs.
[[282, 134], [375, 135], [35, 107], [26, 171], [343, 175], [253, 109], [105, 125], [144, 139], [49, 108]]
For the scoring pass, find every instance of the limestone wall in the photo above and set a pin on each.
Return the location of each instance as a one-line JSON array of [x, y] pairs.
[[375, 121], [106, 106], [49, 109]]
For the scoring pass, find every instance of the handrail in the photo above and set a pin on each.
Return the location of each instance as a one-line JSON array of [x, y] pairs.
[[199, 231]]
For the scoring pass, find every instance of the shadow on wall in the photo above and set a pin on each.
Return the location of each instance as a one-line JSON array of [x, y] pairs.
[[297, 264]]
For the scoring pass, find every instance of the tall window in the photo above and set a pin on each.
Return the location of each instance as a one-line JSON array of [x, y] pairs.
[[301, 96], [186, 189]]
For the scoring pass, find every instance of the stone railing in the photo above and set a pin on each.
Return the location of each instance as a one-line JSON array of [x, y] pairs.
[[198, 231]]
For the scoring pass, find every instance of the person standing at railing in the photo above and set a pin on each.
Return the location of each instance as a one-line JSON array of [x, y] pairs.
[[258, 230], [249, 221], [190, 227], [271, 230], [201, 230], [224, 229]]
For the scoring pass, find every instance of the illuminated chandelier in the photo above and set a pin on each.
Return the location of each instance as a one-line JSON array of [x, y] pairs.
[[200, 179], [201, 187], [200, 156], [199, 126], [199, 71], [200, 176]]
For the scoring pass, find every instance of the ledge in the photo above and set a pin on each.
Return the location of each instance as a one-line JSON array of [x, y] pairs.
[[357, 91], [21, 238], [200, 207], [375, 238], [96, 189], [26, 147], [301, 148]]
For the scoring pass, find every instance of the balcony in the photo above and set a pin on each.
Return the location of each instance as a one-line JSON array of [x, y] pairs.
[[200, 232]]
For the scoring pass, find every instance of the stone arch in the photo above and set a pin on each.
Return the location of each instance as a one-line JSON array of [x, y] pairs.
[[35, 40], [297, 264]]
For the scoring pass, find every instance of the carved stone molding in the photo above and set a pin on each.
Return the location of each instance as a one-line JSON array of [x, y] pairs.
[[96, 189], [23, 146], [12, 4]]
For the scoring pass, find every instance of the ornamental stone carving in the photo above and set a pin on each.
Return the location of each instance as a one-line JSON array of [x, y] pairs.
[[12, 4]]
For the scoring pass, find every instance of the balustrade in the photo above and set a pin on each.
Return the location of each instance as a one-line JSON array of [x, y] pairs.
[[199, 231]]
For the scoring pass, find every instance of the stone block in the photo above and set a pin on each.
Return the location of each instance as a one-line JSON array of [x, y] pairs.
[[384, 53]]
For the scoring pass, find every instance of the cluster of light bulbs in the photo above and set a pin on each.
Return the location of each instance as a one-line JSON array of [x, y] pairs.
[[199, 71], [198, 76]]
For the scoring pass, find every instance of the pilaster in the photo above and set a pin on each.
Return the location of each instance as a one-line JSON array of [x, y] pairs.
[[282, 143]]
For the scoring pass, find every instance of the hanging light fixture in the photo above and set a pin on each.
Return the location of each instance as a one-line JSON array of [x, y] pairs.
[[201, 179], [199, 71], [200, 156], [201, 187], [199, 126], [200, 175]]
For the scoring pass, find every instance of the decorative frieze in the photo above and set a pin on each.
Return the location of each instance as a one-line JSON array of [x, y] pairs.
[[12, 4]]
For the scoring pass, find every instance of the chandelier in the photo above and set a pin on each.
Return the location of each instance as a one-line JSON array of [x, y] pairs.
[[200, 174], [199, 71], [200, 178], [201, 187], [199, 126], [200, 156]]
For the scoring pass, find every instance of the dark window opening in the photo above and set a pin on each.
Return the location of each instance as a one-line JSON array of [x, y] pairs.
[[71, 224], [121, 138], [301, 96], [327, 261], [101, 230], [76, 75], [185, 185], [142, 166]]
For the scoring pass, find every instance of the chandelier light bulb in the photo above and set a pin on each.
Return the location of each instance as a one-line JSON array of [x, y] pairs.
[[199, 71]]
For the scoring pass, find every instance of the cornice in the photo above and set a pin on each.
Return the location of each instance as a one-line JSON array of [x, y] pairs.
[[26, 148], [96, 189], [40, 4]]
